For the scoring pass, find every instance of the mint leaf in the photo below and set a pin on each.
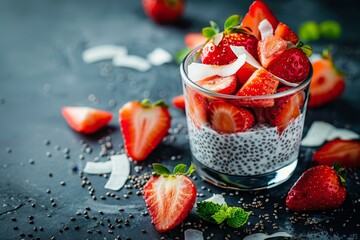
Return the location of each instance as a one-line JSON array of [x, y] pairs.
[[180, 169], [208, 32], [309, 31], [330, 29], [215, 26], [181, 54], [232, 21], [238, 217], [220, 216], [205, 210], [160, 169]]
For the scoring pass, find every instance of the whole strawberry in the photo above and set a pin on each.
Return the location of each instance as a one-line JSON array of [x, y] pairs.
[[164, 11], [318, 188], [169, 197]]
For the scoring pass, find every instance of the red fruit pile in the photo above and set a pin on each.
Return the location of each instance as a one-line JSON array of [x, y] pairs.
[[279, 55]]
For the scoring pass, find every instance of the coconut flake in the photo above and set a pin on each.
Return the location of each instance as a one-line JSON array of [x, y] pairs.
[[193, 234], [103, 52], [217, 38], [216, 198], [265, 29], [261, 236], [239, 50], [342, 133], [159, 56], [120, 172], [199, 71], [98, 167], [132, 61], [317, 134], [283, 81]]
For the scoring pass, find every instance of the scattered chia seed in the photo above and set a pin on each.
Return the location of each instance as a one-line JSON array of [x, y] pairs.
[[76, 228], [31, 161], [101, 212], [31, 222], [8, 150], [13, 219], [48, 154], [102, 197], [33, 205], [41, 229], [73, 219], [143, 230], [110, 231], [121, 209], [48, 190], [62, 183], [16, 228]]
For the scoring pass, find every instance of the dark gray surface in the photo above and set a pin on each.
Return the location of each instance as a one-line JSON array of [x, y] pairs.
[[41, 70]]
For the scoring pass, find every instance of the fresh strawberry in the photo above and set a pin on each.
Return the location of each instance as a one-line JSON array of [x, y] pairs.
[[260, 116], [192, 40], [179, 101], [164, 11], [285, 110], [86, 120], [327, 83], [258, 11], [292, 65], [169, 197], [285, 32], [224, 85], [226, 118], [270, 49], [245, 72], [143, 127], [260, 83], [318, 188], [345, 152], [196, 107]]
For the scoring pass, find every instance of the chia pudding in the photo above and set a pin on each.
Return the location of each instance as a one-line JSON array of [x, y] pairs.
[[259, 150]]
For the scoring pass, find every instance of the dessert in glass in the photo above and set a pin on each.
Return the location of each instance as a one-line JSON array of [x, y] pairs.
[[246, 98]]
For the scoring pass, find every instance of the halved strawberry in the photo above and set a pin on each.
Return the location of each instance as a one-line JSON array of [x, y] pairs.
[[169, 197], [260, 83], [258, 11], [270, 48], [260, 116], [196, 107], [86, 120], [224, 85], [143, 127], [285, 32], [327, 83], [226, 118], [292, 65], [245, 72], [285, 110], [179, 101], [192, 40], [345, 152]]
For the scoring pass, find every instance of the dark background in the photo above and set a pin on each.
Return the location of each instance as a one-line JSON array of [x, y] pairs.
[[41, 70]]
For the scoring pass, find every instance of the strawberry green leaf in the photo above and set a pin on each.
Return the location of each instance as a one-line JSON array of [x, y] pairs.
[[232, 21], [160, 103], [330, 29], [208, 32], [190, 170], [309, 31], [215, 26], [180, 169], [181, 54], [160, 169]]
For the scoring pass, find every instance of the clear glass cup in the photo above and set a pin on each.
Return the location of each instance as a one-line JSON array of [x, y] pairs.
[[258, 158]]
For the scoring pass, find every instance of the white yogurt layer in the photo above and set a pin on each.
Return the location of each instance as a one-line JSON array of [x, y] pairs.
[[259, 150]]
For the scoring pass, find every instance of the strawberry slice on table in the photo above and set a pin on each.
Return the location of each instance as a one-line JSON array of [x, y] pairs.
[[270, 49], [192, 40], [318, 188], [327, 83], [196, 107], [285, 110], [291, 65], [169, 197], [143, 126], [260, 83], [258, 11], [226, 118], [218, 84], [86, 120], [285, 32], [179, 101], [345, 152]]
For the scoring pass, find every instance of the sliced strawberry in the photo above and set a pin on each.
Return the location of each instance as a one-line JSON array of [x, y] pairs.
[[196, 107], [179, 101], [222, 54], [260, 115], [192, 40], [258, 11], [327, 83], [285, 110], [226, 118], [86, 120], [169, 197], [224, 85], [143, 127], [245, 72], [260, 83], [270, 48], [285, 32], [292, 65], [345, 152]]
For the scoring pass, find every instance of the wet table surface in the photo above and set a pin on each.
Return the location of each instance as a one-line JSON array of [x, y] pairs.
[[41, 70]]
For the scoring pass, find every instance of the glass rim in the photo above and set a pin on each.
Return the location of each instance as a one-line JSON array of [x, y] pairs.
[[185, 77]]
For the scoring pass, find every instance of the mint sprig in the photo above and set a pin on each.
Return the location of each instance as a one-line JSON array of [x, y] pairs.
[[234, 217]]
